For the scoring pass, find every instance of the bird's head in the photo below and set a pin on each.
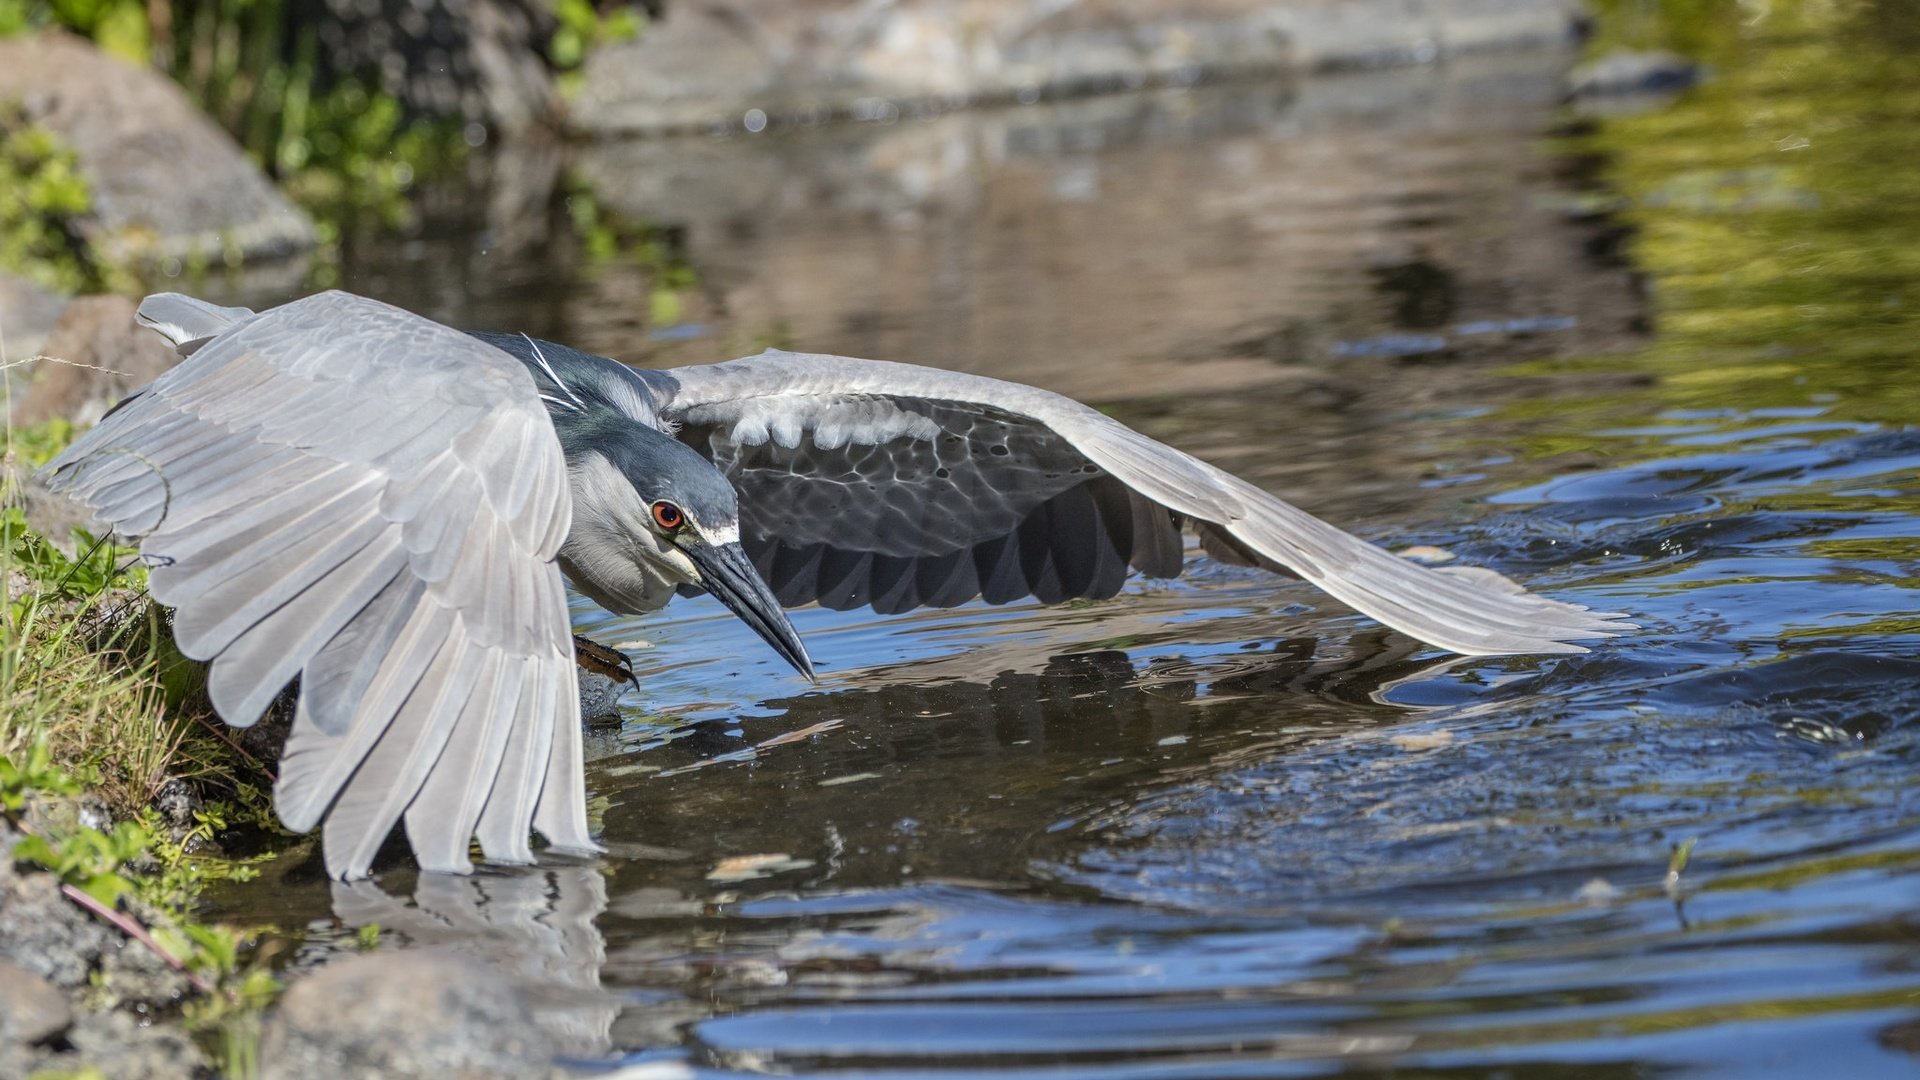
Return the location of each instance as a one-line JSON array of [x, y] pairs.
[[674, 514]]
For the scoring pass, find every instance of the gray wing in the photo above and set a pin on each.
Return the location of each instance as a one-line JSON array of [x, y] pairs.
[[344, 491], [870, 483]]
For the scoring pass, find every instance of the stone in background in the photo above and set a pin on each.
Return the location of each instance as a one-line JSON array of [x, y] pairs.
[[708, 62], [167, 183]]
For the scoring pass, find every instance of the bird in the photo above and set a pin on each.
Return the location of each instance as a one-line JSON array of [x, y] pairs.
[[388, 508]]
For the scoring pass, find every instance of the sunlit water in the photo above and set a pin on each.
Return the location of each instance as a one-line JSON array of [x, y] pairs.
[[1218, 826]]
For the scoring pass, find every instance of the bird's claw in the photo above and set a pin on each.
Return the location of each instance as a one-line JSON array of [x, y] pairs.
[[602, 660]]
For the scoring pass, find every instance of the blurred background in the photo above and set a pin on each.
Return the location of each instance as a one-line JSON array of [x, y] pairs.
[[1621, 297]]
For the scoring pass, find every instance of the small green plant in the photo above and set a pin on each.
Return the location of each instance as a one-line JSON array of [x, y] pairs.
[[228, 1016], [1677, 859], [88, 859], [95, 566]]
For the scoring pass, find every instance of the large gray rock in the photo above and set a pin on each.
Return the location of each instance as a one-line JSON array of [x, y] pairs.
[[710, 63], [166, 182], [399, 1015]]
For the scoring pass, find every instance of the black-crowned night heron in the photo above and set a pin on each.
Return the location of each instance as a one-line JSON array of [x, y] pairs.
[[340, 490]]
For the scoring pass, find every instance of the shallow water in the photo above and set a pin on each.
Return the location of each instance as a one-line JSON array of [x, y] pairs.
[[1662, 362]]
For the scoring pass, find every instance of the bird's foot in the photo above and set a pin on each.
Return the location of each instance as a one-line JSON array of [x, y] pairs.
[[601, 660]]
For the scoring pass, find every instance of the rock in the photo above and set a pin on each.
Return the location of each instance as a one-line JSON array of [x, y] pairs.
[[50, 937], [42, 932], [712, 61], [115, 1044], [58, 815], [752, 63], [98, 355], [31, 1008], [395, 1015], [132, 976], [166, 182], [533, 927], [27, 314]]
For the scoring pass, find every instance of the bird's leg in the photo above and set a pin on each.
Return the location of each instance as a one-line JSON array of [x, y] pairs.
[[602, 660]]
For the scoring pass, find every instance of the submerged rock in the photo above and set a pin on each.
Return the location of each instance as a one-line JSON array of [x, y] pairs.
[[165, 181], [399, 1015], [599, 695]]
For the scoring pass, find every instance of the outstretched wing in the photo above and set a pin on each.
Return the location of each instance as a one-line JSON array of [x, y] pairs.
[[339, 489], [870, 483]]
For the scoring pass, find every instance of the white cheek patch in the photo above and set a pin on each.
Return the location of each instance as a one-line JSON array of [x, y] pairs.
[[729, 534]]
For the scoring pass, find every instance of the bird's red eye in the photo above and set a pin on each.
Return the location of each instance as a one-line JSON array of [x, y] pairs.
[[668, 516]]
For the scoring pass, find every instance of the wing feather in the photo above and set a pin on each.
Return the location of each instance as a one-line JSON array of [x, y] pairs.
[[343, 491], [560, 814], [840, 460], [440, 823], [386, 781], [522, 771], [251, 671]]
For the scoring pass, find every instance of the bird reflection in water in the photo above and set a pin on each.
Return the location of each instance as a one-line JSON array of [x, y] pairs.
[[535, 926]]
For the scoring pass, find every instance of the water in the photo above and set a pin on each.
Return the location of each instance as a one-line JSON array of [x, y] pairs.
[[1660, 362]]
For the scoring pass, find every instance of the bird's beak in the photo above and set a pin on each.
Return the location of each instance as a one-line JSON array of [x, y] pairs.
[[727, 573]]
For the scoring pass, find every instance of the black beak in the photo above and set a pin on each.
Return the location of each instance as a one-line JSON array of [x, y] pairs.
[[727, 573]]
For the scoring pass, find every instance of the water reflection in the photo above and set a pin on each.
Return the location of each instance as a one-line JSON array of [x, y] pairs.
[[1245, 232], [535, 927], [1013, 756]]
